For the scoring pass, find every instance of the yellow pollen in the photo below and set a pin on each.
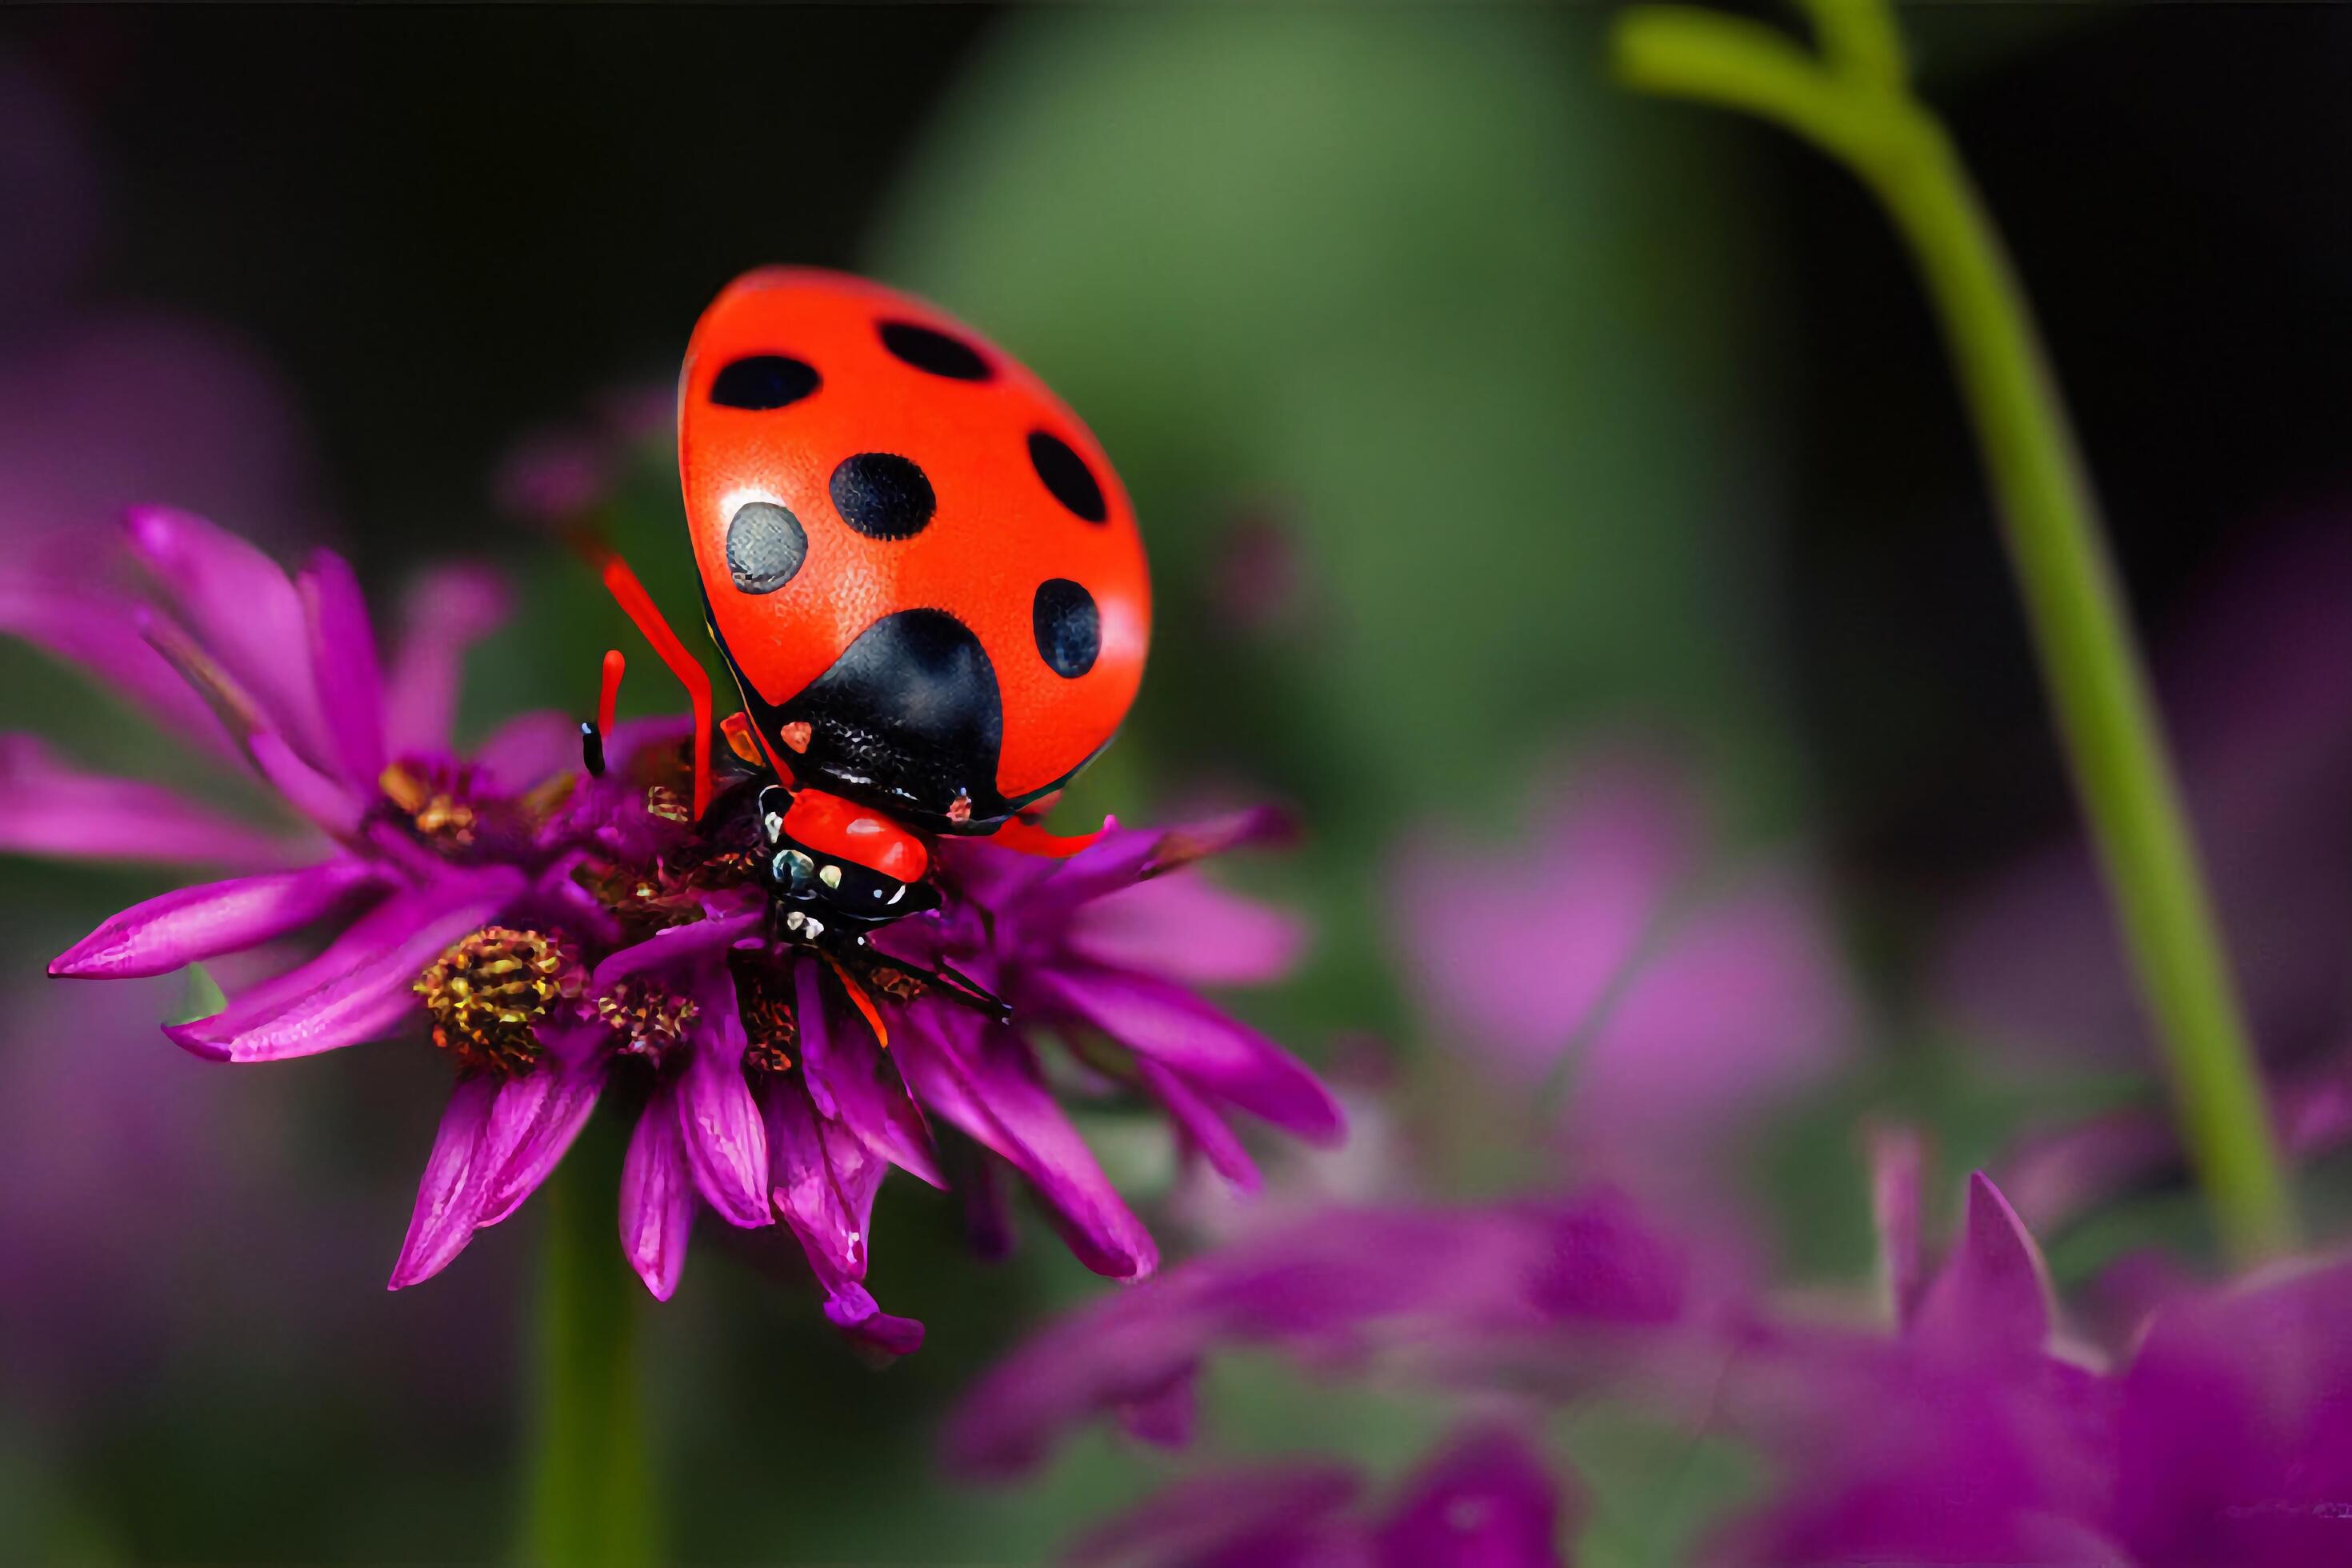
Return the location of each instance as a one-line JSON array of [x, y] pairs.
[[488, 991], [650, 1019]]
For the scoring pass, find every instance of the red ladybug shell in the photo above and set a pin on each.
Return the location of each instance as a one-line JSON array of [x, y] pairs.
[[920, 565]]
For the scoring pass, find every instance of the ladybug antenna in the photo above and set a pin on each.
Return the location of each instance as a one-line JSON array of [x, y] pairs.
[[630, 594]]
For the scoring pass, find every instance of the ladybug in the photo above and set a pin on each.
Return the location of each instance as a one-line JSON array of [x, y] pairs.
[[919, 568]]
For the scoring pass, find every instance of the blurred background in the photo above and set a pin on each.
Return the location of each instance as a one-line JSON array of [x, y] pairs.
[[1559, 499]]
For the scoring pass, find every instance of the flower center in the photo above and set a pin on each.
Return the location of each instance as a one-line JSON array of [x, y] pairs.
[[650, 1021], [488, 991], [435, 802], [771, 1030]]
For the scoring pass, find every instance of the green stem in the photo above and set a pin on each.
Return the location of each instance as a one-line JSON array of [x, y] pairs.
[[1854, 102], [589, 1494]]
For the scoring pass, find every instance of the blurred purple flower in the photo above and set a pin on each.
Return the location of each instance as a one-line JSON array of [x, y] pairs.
[[1434, 1288], [1973, 1432], [556, 475], [1683, 1006]]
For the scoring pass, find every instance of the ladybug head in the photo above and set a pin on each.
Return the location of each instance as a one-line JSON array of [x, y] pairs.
[[837, 866]]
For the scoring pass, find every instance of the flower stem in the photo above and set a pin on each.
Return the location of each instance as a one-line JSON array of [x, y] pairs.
[[589, 1499], [1854, 102]]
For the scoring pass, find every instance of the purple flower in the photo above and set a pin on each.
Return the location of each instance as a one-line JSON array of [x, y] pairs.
[[1683, 1005], [1430, 1287], [1971, 1429], [418, 858], [772, 1094], [564, 936]]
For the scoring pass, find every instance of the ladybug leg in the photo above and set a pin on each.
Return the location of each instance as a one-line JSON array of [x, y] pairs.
[[951, 986], [623, 585], [593, 736]]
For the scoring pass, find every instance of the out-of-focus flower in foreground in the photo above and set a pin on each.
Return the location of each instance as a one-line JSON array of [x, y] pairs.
[[1976, 1430], [563, 935]]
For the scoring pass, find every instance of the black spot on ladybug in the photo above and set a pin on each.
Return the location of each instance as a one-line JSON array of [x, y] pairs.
[[883, 495], [935, 351], [762, 380], [1068, 626], [765, 546], [1067, 475]]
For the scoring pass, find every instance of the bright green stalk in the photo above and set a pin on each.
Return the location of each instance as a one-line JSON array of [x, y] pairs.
[[1854, 102], [589, 1499]]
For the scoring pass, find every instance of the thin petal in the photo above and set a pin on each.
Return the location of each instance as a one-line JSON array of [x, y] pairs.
[[57, 810], [192, 924], [361, 986], [528, 749], [1488, 1500], [1233, 1062], [1993, 1294], [720, 1121], [853, 1312], [686, 947], [449, 1197], [344, 669], [536, 1120], [446, 613], [823, 1179], [984, 1083], [854, 1081], [656, 1198], [1187, 928], [243, 612], [101, 634], [1202, 1127], [316, 795]]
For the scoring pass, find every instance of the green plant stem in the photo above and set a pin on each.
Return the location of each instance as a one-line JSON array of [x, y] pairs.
[[1854, 102], [589, 1494]]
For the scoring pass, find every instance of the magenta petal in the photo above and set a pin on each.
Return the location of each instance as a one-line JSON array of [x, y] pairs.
[[982, 1080], [853, 1312], [359, 988], [243, 612], [344, 664], [57, 810], [449, 1197], [528, 749], [687, 945], [656, 1198], [1210, 1050], [192, 924], [854, 1082], [452, 608], [317, 797], [534, 1123], [102, 635], [1993, 1294], [1185, 928], [718, 1119], [1488, 1500], [823, 1179], [1202, 1127]]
